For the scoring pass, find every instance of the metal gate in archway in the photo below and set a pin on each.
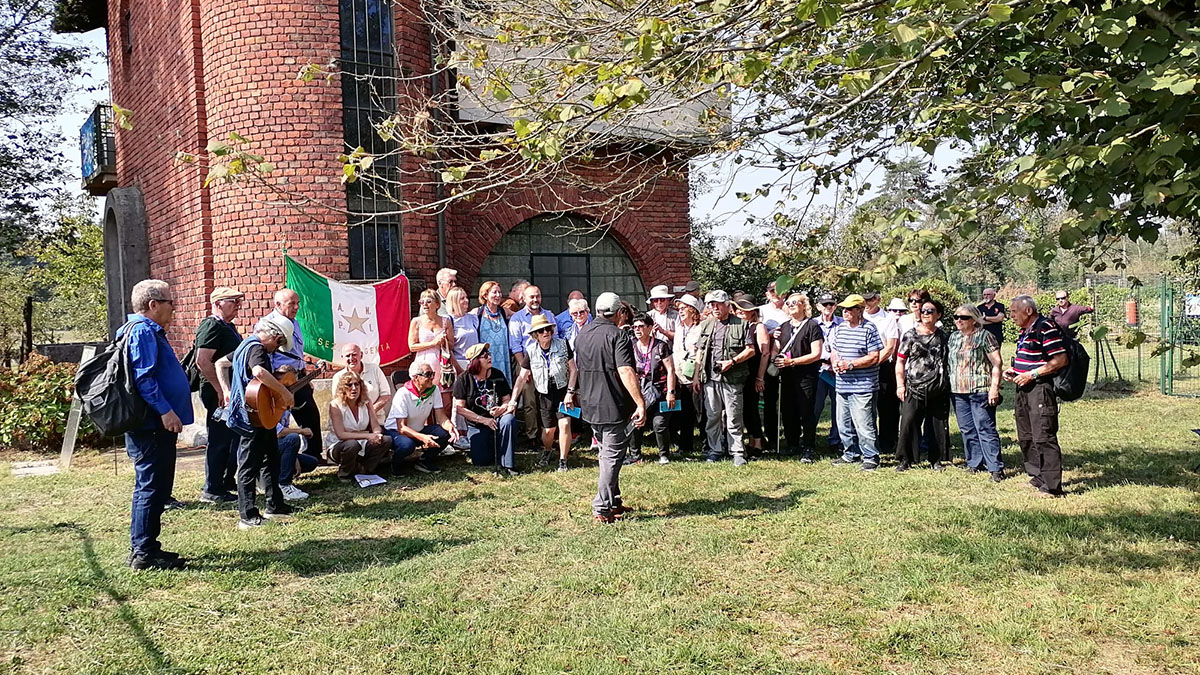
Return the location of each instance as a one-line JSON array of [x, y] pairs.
[[1180, 365], [562, 254]]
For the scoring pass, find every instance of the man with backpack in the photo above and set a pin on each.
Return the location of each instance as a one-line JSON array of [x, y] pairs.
[[216, 336], [163, 385], [1041, 351]]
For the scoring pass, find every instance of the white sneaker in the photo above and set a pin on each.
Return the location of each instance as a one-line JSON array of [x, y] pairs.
[[292, 493]]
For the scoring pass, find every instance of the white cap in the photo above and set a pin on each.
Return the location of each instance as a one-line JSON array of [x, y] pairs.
[[284, 325], [607, 303]]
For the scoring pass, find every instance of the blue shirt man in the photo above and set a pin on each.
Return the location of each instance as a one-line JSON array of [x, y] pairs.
[[518, 323], [160, 378]]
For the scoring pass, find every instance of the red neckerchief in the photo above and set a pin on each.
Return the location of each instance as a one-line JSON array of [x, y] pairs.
[[412, 388]]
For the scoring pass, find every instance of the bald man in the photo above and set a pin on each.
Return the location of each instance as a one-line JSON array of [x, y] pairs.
[[305, 414]]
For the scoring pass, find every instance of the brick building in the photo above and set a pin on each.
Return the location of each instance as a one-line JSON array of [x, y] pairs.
[[192, 71]]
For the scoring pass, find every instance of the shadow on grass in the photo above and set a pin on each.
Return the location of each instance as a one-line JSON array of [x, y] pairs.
[[1041, 541], [161, 664], [403, 508], [740, 504], [316, 557], [1131, 466]]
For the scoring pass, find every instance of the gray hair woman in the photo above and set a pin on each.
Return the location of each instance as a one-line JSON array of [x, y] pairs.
[[975, 369]]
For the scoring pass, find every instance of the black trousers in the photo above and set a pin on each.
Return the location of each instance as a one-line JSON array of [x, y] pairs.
[[797, 393], [659, 422], [258, 457], [751, 417], [686, 420], [1037, 433], [916, 412], [770, 414], [308, 416], [889, 410]]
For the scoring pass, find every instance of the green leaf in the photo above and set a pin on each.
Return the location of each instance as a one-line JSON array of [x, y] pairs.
[[1183, 87], [828, 15], [783, 284], [1016, 76], [904, 34], [218, 148], [999, 13]]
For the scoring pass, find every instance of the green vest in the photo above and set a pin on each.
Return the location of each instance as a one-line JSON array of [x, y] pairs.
[[735, 342]]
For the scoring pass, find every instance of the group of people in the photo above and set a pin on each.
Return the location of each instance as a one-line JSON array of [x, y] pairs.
[[890, 376]]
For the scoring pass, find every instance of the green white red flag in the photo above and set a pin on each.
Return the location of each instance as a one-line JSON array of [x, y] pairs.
[[333, 314]]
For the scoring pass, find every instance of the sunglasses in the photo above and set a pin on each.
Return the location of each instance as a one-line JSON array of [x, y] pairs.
[[928, 311], [829, 304], [792, 304], [1062, 298], [425, 374], [961, 317], [912, 300], [640, 325], [898, 311]]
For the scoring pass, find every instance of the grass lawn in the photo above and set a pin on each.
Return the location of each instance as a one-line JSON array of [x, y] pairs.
[[775, 568]]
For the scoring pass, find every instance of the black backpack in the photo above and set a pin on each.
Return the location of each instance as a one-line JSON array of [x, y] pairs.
[[1070, 381], [106, 386]]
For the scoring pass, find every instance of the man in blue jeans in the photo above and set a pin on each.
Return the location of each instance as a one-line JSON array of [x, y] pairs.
[[418, 420], [163, 385], [854, 357]]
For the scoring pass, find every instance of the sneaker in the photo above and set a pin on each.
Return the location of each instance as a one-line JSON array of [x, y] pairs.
[[842, 461], [562, 465], [739, 460], [173, 504], [869, 466], [448, 451], [280, 512], [292, 493], [903, 466], [511, 472], [425, 467], [463, 443], [543, 459], [1046, 494], [664, 459], [710, 460], [972, 469], [251, 523], [156, 562], [806, 456], [997, 476], [217, 498], [165, 555], [937, 466]]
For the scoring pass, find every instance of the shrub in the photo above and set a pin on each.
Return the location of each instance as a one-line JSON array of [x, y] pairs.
[[943, 292], [35, 400]]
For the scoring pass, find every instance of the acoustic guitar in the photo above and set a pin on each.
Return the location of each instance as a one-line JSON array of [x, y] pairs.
[[265, 406]]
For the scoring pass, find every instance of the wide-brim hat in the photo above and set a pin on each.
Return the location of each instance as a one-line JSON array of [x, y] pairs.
[[540, 322], [285, 326], [746, 303], [661, 292], [870, 295], [475, 350], [691, 301], [897, 305], [852, 300]]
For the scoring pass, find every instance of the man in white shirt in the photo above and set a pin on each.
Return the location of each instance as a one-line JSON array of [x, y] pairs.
[[417, 420], [379, 389], [888, 405], [772, 314]]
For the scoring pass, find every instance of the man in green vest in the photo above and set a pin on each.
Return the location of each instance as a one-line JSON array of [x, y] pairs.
[[724, 347]]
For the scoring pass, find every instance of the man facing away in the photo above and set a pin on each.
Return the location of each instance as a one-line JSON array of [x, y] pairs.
[[163, 385], [610, 398]]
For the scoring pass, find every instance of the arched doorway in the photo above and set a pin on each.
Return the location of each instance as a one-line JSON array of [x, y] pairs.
[[561, 254]]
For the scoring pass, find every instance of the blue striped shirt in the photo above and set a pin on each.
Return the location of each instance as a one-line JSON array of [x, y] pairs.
[[854, 342]]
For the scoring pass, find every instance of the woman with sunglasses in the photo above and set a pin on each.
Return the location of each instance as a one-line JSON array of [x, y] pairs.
[[747, 310], [797, 355], [431, 339], [356, 440], [552, 369], [483, 396], [975, 372], [656, 375], [923, 387]]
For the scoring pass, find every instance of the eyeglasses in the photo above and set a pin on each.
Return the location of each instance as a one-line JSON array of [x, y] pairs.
[[1060, 297], [425, 374], [167, 301], [961, 317], [928, 311], [425, 301], [792, 303], [898, 311], [912, 300], [582, 312]]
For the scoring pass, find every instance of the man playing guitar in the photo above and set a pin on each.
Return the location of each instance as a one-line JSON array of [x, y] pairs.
[[258, 448]]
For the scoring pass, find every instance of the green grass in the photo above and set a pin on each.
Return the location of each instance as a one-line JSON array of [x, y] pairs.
[[777, 568]]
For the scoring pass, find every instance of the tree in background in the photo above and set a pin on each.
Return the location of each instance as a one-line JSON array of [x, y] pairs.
[[37, 74]]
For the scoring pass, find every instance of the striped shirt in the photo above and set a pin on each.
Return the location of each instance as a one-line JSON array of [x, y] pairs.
[[853, 342], [1038, 344]]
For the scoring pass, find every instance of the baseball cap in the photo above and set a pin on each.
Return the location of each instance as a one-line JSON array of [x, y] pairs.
[[716, 296], [692, 287], [870, 295], [852, 300], [826, 299], [607, 303], [225, 293]]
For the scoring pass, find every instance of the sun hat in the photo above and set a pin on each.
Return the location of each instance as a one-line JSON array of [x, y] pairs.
[[897, 305], [539, 322], [283, 325], [661, 292]]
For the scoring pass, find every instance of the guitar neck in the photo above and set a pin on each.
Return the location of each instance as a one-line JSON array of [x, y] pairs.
[[308, 377]]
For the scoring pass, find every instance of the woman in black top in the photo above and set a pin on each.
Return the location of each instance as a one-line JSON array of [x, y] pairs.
[[656, 376], [484, 398], [753, 388], [923, 387], [797, 355]]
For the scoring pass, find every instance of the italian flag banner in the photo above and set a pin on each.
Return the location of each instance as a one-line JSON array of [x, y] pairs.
[[333, 314]]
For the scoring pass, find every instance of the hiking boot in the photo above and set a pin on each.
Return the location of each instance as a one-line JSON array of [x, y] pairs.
[[156, 562], [620, 511], [604, 518], [292, 493], [997, 476], [217, 497], [869, 466], [543, 459], [251, 523], [903, 466]]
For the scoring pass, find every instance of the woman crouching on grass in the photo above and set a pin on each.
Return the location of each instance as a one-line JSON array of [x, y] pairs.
[[357, 443], [483, 397]]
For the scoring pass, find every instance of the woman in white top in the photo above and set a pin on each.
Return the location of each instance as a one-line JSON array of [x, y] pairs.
[[356, 443], [431, 339], [466, 333], [683, 354]]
